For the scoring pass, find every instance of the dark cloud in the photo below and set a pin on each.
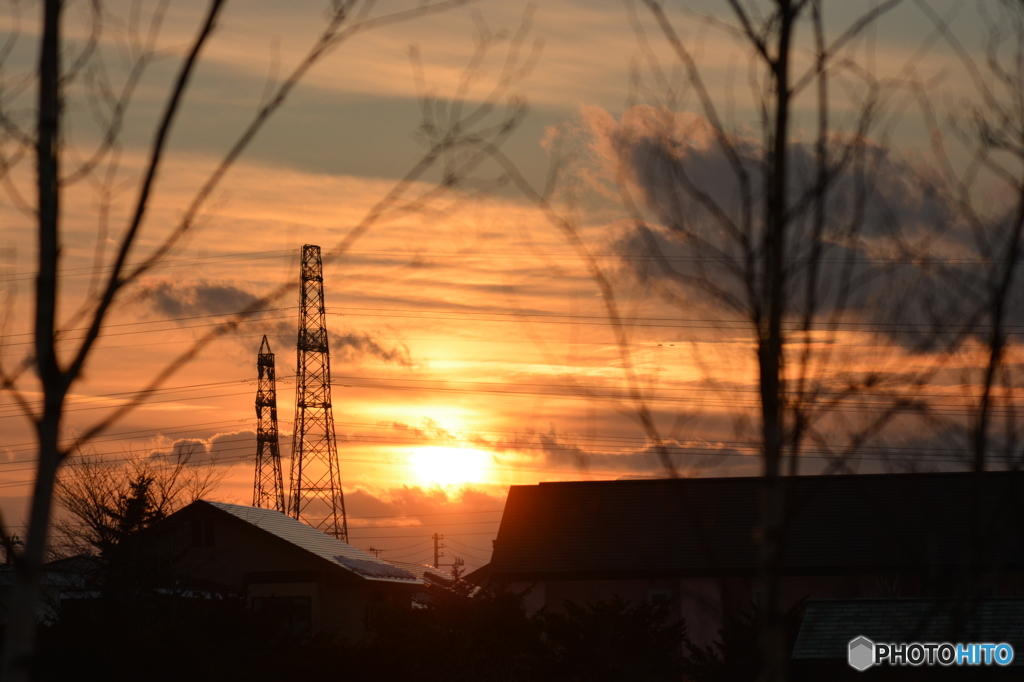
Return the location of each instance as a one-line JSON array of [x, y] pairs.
[[354, 346], [931, 448], [201, 298], [679, 167], [175, 300], [892, 255], [565, 452]]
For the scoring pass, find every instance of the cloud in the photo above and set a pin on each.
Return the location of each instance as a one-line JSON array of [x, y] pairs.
[[428, 429], [222, 449], [210, 298], [892, 252], [561, 452], [401, 521], [416, 503], [354, 346], [200, 298]]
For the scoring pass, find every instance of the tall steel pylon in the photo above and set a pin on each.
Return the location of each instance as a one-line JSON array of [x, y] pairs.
[[268, 488], [316, 496]]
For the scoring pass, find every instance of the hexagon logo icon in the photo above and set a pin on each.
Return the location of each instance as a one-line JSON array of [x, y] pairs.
[[861, 654]]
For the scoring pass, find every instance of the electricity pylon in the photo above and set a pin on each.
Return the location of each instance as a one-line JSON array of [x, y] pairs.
[[316, 496], [268, 488]]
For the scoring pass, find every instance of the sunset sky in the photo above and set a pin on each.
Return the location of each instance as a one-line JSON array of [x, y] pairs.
[[470, 346]]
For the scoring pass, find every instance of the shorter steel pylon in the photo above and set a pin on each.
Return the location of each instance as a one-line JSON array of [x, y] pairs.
[[268, 489]]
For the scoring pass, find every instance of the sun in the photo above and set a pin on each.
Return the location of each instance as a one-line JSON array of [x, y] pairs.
[[449, 466]]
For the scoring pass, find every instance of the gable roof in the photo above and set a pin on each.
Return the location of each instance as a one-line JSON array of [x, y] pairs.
[[311, 540], [705, 526], [829, 624]]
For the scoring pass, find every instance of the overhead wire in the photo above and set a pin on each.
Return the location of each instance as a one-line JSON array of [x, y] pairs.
[[388, 537], [711, 452], [472, 547], [406, 556], [462, 553], [609, 445], [163, 264], [463, 315], [415, 544], [865, 402], [476, 254]]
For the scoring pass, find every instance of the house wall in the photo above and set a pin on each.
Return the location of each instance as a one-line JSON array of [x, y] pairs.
[[233, 553], [704, 602]]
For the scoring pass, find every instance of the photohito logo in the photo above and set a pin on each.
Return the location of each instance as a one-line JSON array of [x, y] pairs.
[[862, 653]]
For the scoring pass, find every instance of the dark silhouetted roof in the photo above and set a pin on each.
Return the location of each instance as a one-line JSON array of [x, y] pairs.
[[705, 526], [830, 624]]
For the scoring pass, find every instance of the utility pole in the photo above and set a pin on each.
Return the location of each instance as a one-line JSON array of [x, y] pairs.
[[374, 551], [438, 546], [268, 487], [9, 543], [317, 498]]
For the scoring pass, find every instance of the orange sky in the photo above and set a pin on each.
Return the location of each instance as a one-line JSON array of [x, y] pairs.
[[470, 348]]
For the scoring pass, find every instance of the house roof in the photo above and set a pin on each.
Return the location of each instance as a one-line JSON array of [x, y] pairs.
[[316, 542], [830, 624], [705, 526]]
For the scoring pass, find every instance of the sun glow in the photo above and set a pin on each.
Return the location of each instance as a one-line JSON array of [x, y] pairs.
[[447, 466]]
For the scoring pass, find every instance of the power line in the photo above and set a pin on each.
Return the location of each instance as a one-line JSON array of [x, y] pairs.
[[345, 381], [164, 263], [571, 256], [389, 537], [481, 549], [540, 317], [155, 431], [609, 445], [444, 523], [399, 549], [77, 399], [751, 450], [465, 553], [395, 516], [406, 556], [145, 402], [175, 319], [105, 335], [667, 322]]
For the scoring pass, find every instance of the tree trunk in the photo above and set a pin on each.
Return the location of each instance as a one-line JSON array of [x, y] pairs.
[[771, 631], [24, 614]]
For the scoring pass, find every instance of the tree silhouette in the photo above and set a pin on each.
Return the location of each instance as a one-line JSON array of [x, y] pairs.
[[801, 235], [111, 501], [455, 144]]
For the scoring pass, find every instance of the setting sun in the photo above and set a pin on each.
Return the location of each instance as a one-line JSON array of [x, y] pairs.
[[447, 466]]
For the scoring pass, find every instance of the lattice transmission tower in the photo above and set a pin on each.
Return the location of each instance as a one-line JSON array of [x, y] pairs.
[[316, 496], [268, 488]]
